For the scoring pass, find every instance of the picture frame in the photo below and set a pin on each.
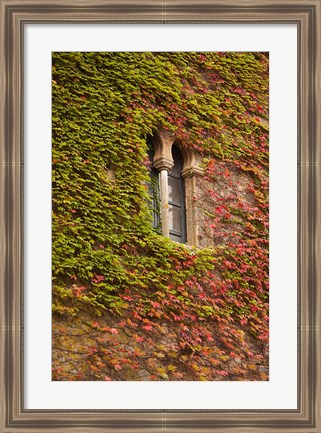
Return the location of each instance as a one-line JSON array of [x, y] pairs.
[[305, 14]]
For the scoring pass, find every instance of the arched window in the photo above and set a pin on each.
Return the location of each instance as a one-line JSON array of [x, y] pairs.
[[176, 199], [167, 194], [173, 175]]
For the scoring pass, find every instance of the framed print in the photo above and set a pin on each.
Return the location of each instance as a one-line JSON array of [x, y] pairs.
[[160, 194]]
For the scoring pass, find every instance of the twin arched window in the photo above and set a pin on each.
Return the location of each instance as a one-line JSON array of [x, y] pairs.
[[167, 193]]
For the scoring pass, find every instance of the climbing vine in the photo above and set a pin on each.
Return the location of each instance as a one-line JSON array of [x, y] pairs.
[[144, 307]]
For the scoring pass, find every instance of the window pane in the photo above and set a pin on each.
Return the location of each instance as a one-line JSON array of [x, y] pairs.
[[175, 237], [174, 190], [178, 162], [175, 170], [174, 214]]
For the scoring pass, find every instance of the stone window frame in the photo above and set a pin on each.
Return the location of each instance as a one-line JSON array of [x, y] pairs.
[[163, 141]]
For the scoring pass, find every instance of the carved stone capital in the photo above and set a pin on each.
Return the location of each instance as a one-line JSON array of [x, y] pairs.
[[163, 159], [163, 163], [191, 171]]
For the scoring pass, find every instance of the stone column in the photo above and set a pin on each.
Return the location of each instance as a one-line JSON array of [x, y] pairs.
[[190, 176], [163, 181], [164, 164]]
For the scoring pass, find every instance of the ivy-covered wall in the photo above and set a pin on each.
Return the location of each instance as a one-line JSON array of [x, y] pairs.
[[129, 304]]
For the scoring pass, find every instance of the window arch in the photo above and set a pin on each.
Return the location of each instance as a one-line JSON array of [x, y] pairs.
[[172, 186]]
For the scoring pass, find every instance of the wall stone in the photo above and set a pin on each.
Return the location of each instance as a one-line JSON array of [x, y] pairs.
[[213, 198]]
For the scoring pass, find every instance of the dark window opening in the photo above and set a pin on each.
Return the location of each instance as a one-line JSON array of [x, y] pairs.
[[154, 192], [176, 199]]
